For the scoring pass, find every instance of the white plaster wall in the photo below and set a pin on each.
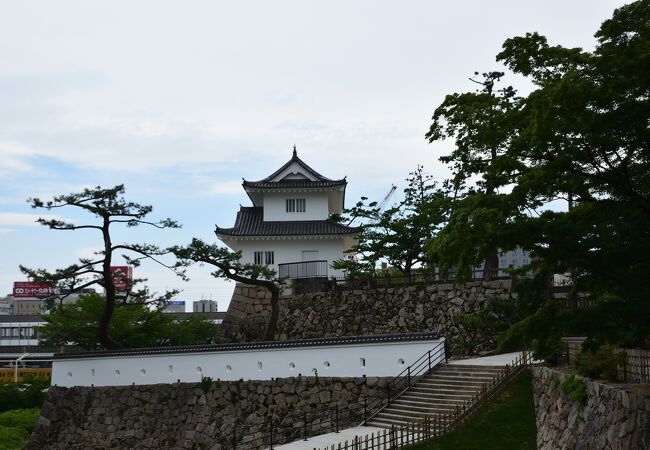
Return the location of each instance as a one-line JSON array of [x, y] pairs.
[[288, 251], [316, 206], [381, 359]]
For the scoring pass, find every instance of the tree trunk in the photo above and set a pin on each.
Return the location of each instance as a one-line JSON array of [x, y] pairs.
[[109, 306]]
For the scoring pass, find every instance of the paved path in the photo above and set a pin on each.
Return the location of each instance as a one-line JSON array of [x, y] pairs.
[[324, 440], [496, 360]]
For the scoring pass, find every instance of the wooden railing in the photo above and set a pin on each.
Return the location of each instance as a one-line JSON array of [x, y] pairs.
[[436, 425]]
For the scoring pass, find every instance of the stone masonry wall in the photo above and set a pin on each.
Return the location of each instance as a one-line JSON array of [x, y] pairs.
[[399, 309], [184, 416], [613, 418], [248, 314]]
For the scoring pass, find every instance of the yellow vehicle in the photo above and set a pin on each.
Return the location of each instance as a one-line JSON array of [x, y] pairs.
[[8, 375]]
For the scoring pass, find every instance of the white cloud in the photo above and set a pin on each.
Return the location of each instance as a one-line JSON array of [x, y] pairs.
[[23, 219], [88, 252]]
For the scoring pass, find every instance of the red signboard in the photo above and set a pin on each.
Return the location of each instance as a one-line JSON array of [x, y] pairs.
[[121, 277], [25, 289]]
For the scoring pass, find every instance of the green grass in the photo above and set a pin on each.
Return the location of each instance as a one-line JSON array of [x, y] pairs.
[[15, 426], [506, 423]]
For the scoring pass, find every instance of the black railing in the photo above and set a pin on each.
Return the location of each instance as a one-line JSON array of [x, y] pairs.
[[409, 376], [303, 269], [278, 430]]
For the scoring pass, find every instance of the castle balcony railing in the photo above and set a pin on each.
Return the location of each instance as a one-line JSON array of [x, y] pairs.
[[303, 269]]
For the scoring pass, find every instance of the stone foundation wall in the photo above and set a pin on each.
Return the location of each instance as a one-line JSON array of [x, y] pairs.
[[248, 314], [400, 309], [185, 416], [613, 417]]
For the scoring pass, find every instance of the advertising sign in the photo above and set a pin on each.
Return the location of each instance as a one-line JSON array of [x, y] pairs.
[[121, 277], [25, 289], [175, 303]]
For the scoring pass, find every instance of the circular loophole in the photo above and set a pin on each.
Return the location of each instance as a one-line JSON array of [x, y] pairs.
[[326, 364], [199, 369], [292, 366], [228, 369], [69, 374], [117, 373], [92, 372], [142, 372], [400, 362]]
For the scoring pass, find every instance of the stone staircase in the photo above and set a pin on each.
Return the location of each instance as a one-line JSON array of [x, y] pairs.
[[448, 385]]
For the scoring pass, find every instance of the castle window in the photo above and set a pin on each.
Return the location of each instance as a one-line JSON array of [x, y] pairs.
[[296, 205], [300, 205], [263, 258]]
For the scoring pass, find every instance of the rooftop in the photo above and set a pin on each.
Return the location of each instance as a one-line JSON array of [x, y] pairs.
[[250, 222], [319, 342]]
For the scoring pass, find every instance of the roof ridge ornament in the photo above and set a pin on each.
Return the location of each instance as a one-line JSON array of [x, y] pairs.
[[295, 152]]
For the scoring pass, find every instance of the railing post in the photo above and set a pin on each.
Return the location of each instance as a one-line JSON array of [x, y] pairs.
[[305, 427], [365, 409], [271, 432], [429, 353], [234, 439], [409, 376], [337, 418], [388, 394]]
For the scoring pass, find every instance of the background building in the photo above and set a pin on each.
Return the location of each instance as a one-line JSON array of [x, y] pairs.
[[204, 306]]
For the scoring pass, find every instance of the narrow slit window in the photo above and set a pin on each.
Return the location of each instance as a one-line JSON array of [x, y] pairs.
[[258, 258], [300, 205], [269, 258], [291, 205]]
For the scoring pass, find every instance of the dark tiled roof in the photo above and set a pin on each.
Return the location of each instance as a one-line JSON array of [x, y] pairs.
[[320, 180], [250, 223], [269, 345], [292, 184]]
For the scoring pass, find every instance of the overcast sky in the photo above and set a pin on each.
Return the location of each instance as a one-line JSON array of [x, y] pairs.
[[180, 100]]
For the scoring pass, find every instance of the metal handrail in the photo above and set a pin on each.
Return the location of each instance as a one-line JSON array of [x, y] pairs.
[[409, 376], [319, 269]]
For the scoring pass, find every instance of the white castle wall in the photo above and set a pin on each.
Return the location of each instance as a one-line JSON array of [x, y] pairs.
[[343, 360]]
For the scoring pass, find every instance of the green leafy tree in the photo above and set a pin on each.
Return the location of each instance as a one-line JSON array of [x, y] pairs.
[[110, 208], [227, 265], [482, 124], [397, 234], [582, 137], [134, 325]]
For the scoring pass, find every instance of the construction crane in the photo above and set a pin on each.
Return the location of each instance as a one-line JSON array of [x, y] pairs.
[[381, 206], [383, 203]]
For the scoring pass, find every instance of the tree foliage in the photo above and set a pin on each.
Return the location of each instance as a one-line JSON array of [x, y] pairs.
[[227, 265], [133, 325], [397, 234], [109, 207], [580, 137]]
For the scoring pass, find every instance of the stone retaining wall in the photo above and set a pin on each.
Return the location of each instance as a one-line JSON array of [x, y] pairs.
[[613, 417], [183, 416], [400, 309]]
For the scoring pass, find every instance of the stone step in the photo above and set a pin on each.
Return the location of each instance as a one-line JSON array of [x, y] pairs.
[[431, 397], [449, 387], [437, 400], [450, 381], [467, 366], [421, 404], [428, 390], [463, 373], [417, 412]]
